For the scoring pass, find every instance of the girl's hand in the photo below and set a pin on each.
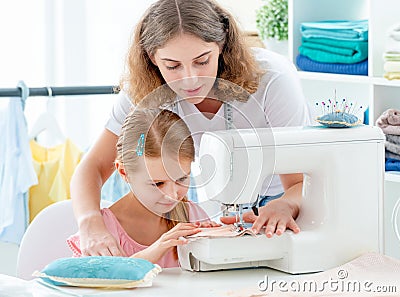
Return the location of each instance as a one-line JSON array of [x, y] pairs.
[[208, 224], [168, 240]]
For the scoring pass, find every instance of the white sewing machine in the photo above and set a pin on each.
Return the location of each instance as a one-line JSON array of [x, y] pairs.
[[341, 213]]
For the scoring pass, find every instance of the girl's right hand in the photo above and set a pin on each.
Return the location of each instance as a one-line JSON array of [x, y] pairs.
[[96, 240], [168, 240]]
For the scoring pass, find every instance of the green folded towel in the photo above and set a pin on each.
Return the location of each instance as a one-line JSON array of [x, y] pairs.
[[391, 56], [326, 50], [336, 29]]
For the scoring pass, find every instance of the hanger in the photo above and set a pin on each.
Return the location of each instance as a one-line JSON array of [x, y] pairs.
[[47, 123]]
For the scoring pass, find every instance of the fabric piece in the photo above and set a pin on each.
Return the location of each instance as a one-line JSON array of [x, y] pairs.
[[389, 121], [336, 29], [392, 147], [394, 31], [391, 66], [389, 155], [326, 50], [306, 64], [221, 232], [128, 244], [392, 75], [17, 174], [366, 275], [272, 105], [100, 272], [393, 138], [392, 164], [54, 167], [391, 56]]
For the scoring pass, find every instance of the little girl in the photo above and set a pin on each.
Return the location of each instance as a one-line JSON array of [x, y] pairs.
[[154, 155]]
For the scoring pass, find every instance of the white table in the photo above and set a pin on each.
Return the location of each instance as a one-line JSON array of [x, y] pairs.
[[170, 282]]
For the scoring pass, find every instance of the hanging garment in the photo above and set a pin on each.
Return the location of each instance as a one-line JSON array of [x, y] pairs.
[[17, 174], [114, 188], [54, 167]]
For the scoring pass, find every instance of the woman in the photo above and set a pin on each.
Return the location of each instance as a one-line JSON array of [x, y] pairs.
[[191, 54]]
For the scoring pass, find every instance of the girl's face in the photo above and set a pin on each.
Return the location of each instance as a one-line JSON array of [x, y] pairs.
[[159, 184], [189, 65]]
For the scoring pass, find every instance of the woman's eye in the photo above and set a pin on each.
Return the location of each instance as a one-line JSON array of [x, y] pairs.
[[205, 62], [158, 184], [171, 67]]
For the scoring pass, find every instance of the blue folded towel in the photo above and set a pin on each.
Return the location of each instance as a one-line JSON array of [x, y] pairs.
[[307, 64], [340, 30], [392, 165]]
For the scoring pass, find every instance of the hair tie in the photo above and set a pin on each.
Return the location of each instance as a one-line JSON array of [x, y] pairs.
[[140, 145], [225, 22]]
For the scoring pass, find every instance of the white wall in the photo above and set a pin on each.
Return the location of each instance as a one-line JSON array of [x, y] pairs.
[[243, 11]]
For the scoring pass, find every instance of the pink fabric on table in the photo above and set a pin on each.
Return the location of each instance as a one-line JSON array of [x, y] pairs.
[[129, 245]]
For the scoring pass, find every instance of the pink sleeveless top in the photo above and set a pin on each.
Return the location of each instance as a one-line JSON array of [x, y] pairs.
[[130, 246]]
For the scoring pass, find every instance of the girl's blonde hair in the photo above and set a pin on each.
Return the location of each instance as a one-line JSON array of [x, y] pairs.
[[156, 133], [166, 19]]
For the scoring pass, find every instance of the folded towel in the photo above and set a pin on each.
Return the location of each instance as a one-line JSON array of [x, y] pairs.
[[390, 116], [392, 75], [307, 64], [327, 50], [393, 138], [335, 29], [391, 56], [392, 45], [391, 66], [394, 32], [389, 155], [392, 147], [392, 165]]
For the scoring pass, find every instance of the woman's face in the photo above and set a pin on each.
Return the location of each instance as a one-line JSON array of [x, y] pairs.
[[189, 65], [159, 184]]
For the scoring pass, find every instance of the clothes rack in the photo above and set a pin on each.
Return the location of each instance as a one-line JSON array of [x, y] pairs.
[[60, 91]]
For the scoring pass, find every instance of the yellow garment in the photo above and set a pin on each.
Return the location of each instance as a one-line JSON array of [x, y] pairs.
[[392, 75], [54, 167]]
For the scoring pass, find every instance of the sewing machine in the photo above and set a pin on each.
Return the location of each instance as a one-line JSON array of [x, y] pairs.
[[341, 212]]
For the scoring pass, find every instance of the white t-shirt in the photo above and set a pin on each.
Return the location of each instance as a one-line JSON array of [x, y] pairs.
[[278, 102]]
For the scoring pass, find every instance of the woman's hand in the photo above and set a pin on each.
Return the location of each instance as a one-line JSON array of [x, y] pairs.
[[168, 240], [96, 240], [276, 216]]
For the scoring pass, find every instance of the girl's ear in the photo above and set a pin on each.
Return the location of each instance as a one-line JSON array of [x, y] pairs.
[[121, 170]]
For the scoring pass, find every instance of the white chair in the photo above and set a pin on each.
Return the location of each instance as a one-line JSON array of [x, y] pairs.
[[45, 238]]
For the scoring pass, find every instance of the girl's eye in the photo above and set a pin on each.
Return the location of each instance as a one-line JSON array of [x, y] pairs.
[[158, 184], [182, 179]]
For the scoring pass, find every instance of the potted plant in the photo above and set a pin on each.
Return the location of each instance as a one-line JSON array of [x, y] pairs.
[[272, 24]]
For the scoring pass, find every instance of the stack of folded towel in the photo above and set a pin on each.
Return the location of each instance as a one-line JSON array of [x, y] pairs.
[[389, 122], [391, 55], [334, 47]]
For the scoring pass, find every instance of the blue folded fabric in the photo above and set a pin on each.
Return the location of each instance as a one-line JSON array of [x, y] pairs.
[[327, 50], [335, 29], [392, 165], [306, 64]]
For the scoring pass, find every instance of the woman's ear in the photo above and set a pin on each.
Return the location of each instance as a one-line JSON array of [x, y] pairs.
[[121, 170], [153, 60]]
